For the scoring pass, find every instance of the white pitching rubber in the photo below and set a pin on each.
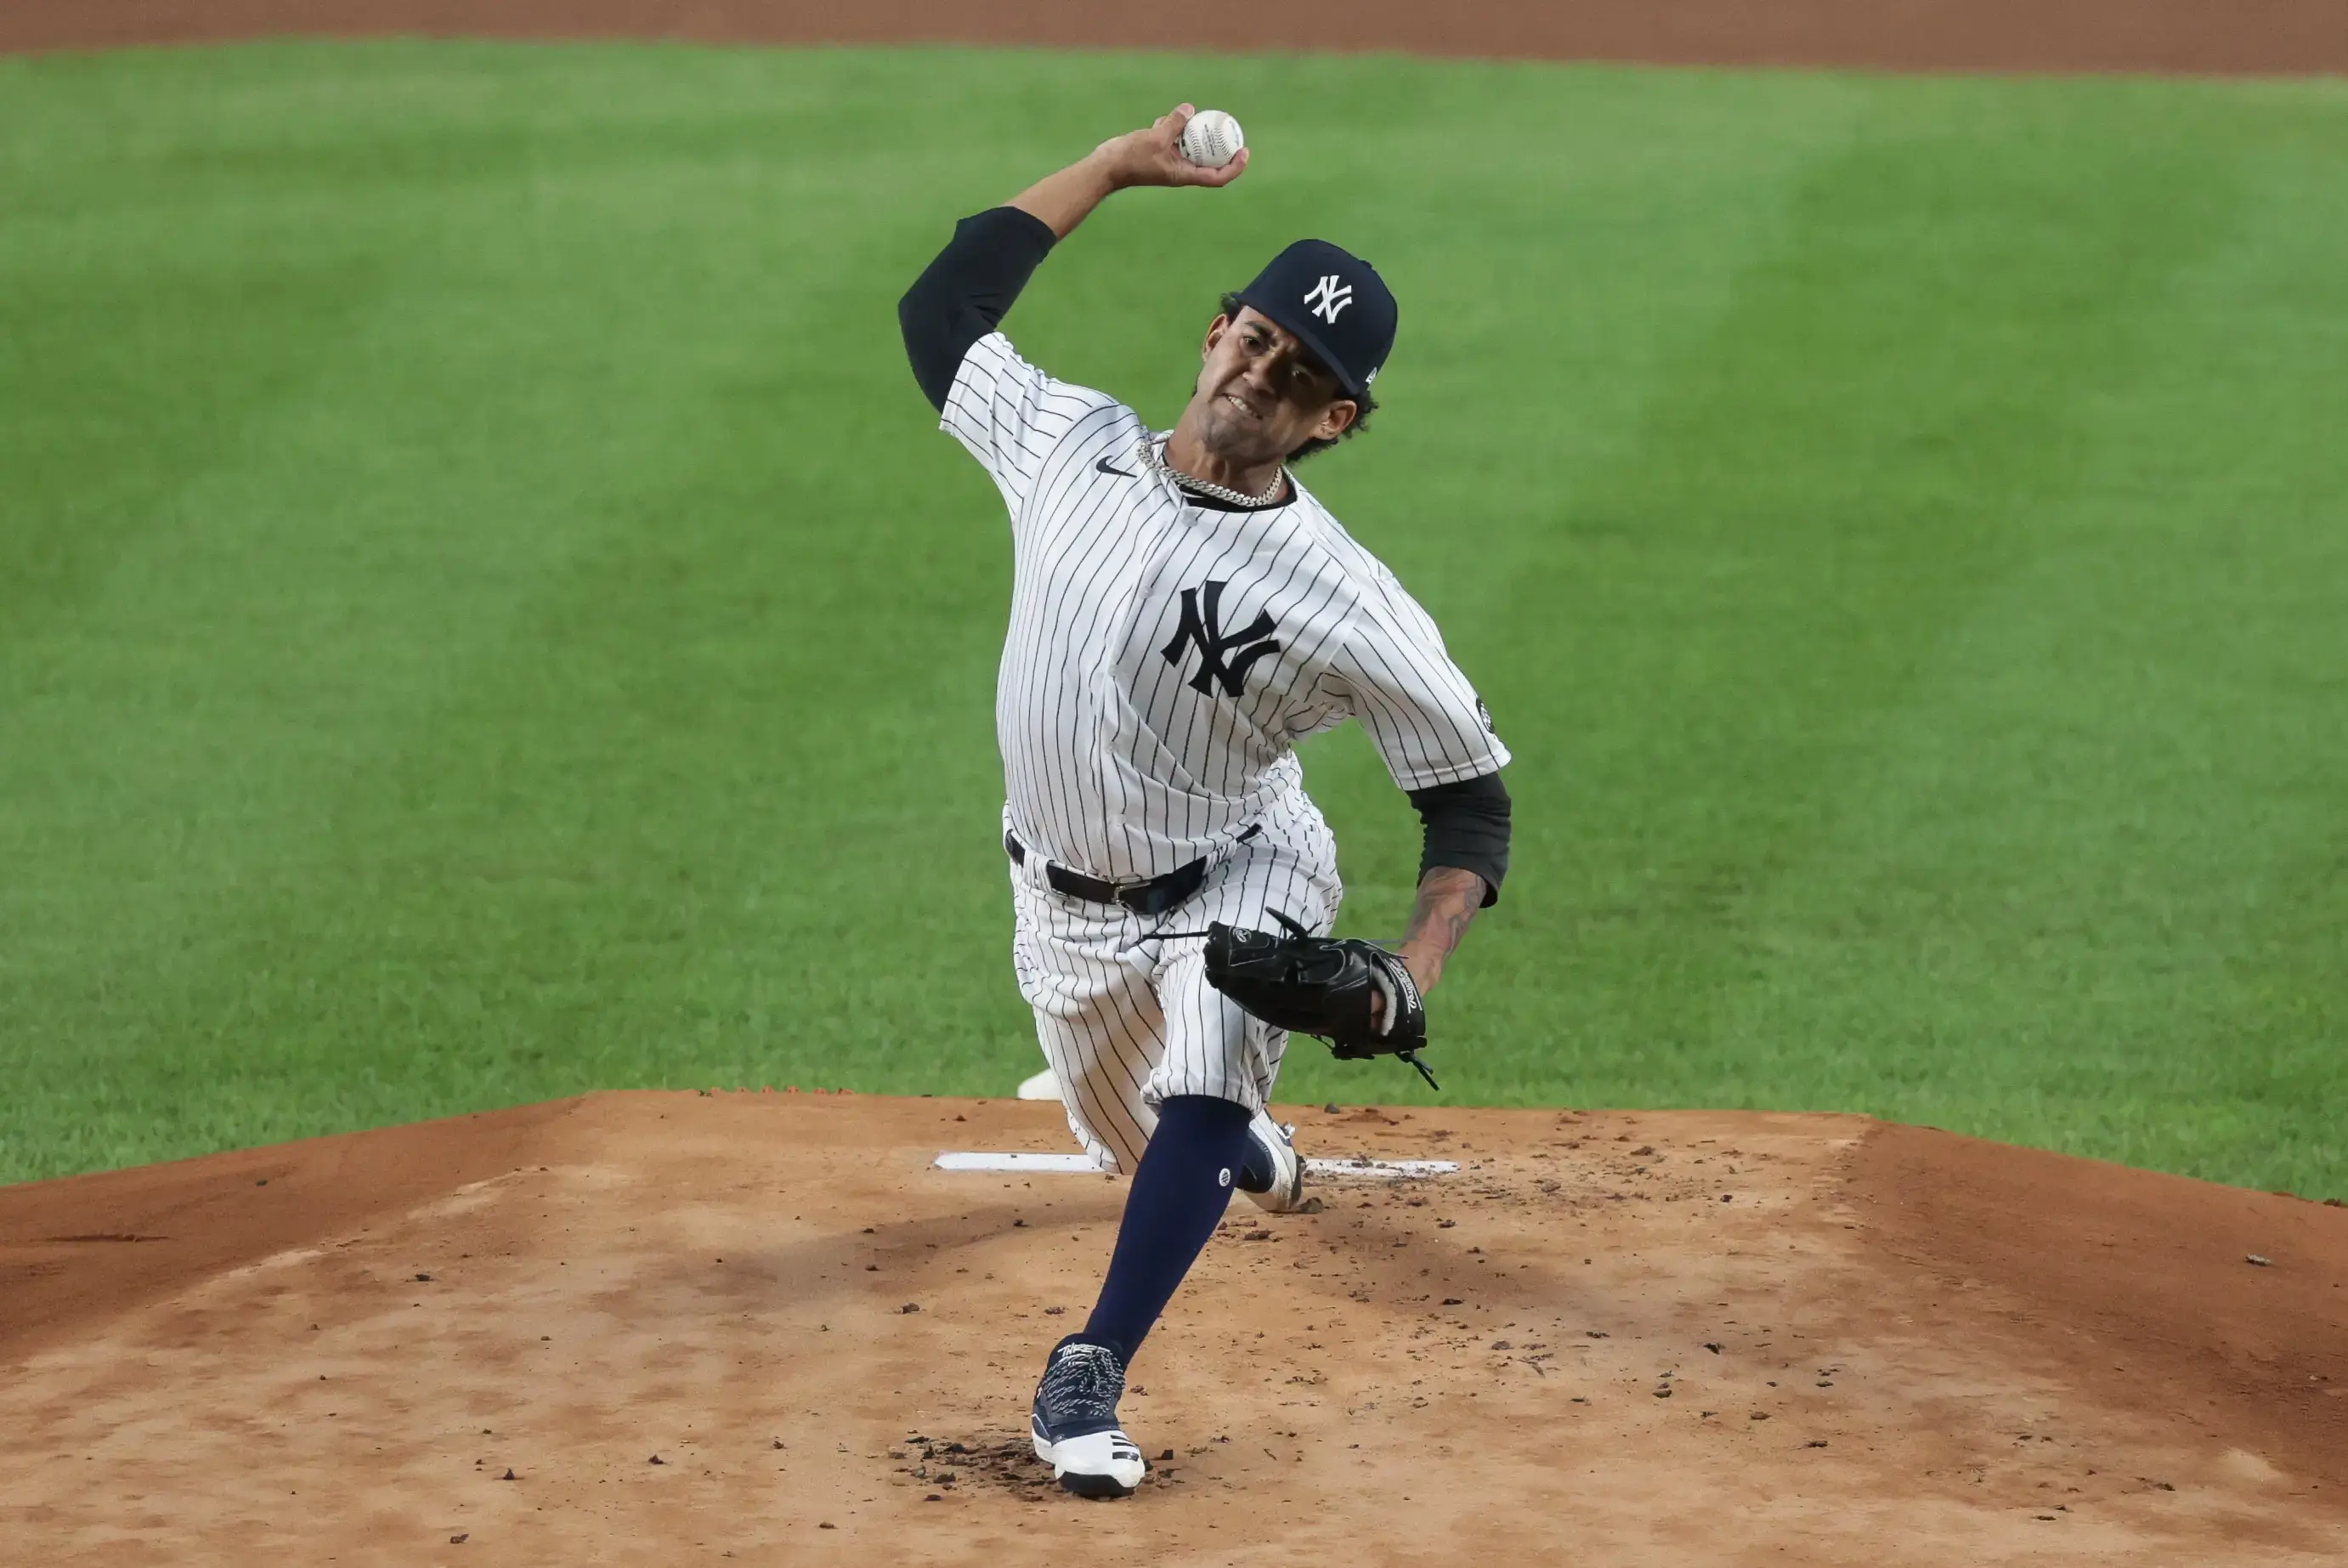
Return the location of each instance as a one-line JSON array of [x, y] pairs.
[[1021, 1161], [1030, 1164]]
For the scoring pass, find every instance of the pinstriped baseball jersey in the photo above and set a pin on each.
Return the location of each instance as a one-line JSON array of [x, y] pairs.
[[1164, 658]]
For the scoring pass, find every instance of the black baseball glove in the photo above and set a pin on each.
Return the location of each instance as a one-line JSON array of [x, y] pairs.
[[1321, 985]]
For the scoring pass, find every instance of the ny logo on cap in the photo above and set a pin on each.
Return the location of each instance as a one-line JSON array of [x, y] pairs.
[[1331, 299]]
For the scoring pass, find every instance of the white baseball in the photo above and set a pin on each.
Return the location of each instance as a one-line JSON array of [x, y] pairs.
[[1213, 139]]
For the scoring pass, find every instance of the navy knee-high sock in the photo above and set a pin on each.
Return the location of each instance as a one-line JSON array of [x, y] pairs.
[[1179, 1195]]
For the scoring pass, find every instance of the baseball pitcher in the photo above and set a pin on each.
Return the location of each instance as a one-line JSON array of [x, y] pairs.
[[1182, 613]]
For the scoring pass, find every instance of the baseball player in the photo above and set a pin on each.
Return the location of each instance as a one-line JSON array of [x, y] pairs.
[[1182, 613]]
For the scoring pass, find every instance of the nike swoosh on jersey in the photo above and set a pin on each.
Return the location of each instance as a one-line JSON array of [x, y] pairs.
[[1105, 466]]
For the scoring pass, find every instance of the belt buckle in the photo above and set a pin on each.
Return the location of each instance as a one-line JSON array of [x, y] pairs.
[[1158, 894]]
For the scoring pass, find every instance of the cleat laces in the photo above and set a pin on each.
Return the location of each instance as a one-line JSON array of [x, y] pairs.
[[1081, 1389]]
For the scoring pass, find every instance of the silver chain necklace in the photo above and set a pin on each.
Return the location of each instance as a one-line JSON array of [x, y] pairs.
[[1153, 453]]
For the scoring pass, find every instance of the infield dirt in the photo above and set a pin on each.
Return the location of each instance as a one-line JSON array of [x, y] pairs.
[[677, 1327]]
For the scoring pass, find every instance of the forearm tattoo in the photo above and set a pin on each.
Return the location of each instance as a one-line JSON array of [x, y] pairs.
[[1448, 899]]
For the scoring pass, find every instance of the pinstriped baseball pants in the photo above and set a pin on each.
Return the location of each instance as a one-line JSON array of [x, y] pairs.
[[1127, 1021]]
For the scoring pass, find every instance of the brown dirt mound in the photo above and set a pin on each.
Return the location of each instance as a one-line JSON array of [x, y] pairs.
[[2268, 36], [762, 1327]]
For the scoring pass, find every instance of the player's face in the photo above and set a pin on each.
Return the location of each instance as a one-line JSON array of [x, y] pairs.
[[1260, 394]]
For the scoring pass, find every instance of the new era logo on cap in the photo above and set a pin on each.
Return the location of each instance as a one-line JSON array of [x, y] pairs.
[[1336, 305]]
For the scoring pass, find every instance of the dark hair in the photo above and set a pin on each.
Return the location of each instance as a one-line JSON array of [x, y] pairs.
[[1364, 404]]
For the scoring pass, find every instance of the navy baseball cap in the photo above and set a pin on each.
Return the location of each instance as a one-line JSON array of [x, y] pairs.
[[1336, 305]]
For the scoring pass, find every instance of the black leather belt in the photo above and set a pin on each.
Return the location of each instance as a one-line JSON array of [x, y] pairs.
[[1147, 899]]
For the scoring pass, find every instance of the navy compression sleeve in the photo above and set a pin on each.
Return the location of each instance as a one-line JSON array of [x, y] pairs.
[[1467, 827], [967, 291]]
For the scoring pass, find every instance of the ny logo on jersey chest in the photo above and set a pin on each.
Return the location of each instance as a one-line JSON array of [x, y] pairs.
[[1223, 660]]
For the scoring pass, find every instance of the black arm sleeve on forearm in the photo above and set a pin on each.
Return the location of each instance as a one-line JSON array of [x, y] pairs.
[[967, 291], [1467, 829]]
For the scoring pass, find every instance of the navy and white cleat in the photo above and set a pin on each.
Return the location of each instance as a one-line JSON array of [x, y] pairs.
[[1075, 1421], [1276, 1140]]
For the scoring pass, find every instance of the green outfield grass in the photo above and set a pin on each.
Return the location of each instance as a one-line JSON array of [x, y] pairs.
[[485, 613]]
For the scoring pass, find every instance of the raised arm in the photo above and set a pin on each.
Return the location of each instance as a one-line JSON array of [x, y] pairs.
[[1150, 156], [967, 291]]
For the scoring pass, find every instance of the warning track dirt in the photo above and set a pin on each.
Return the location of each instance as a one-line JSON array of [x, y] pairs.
[[666, 1327], [2258, 37]]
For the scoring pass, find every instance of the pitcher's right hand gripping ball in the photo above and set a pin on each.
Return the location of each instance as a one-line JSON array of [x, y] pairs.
[[1321, 986], [1210, 139]]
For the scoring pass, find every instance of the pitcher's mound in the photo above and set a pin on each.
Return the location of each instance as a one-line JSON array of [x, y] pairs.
[[675, 1327]]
